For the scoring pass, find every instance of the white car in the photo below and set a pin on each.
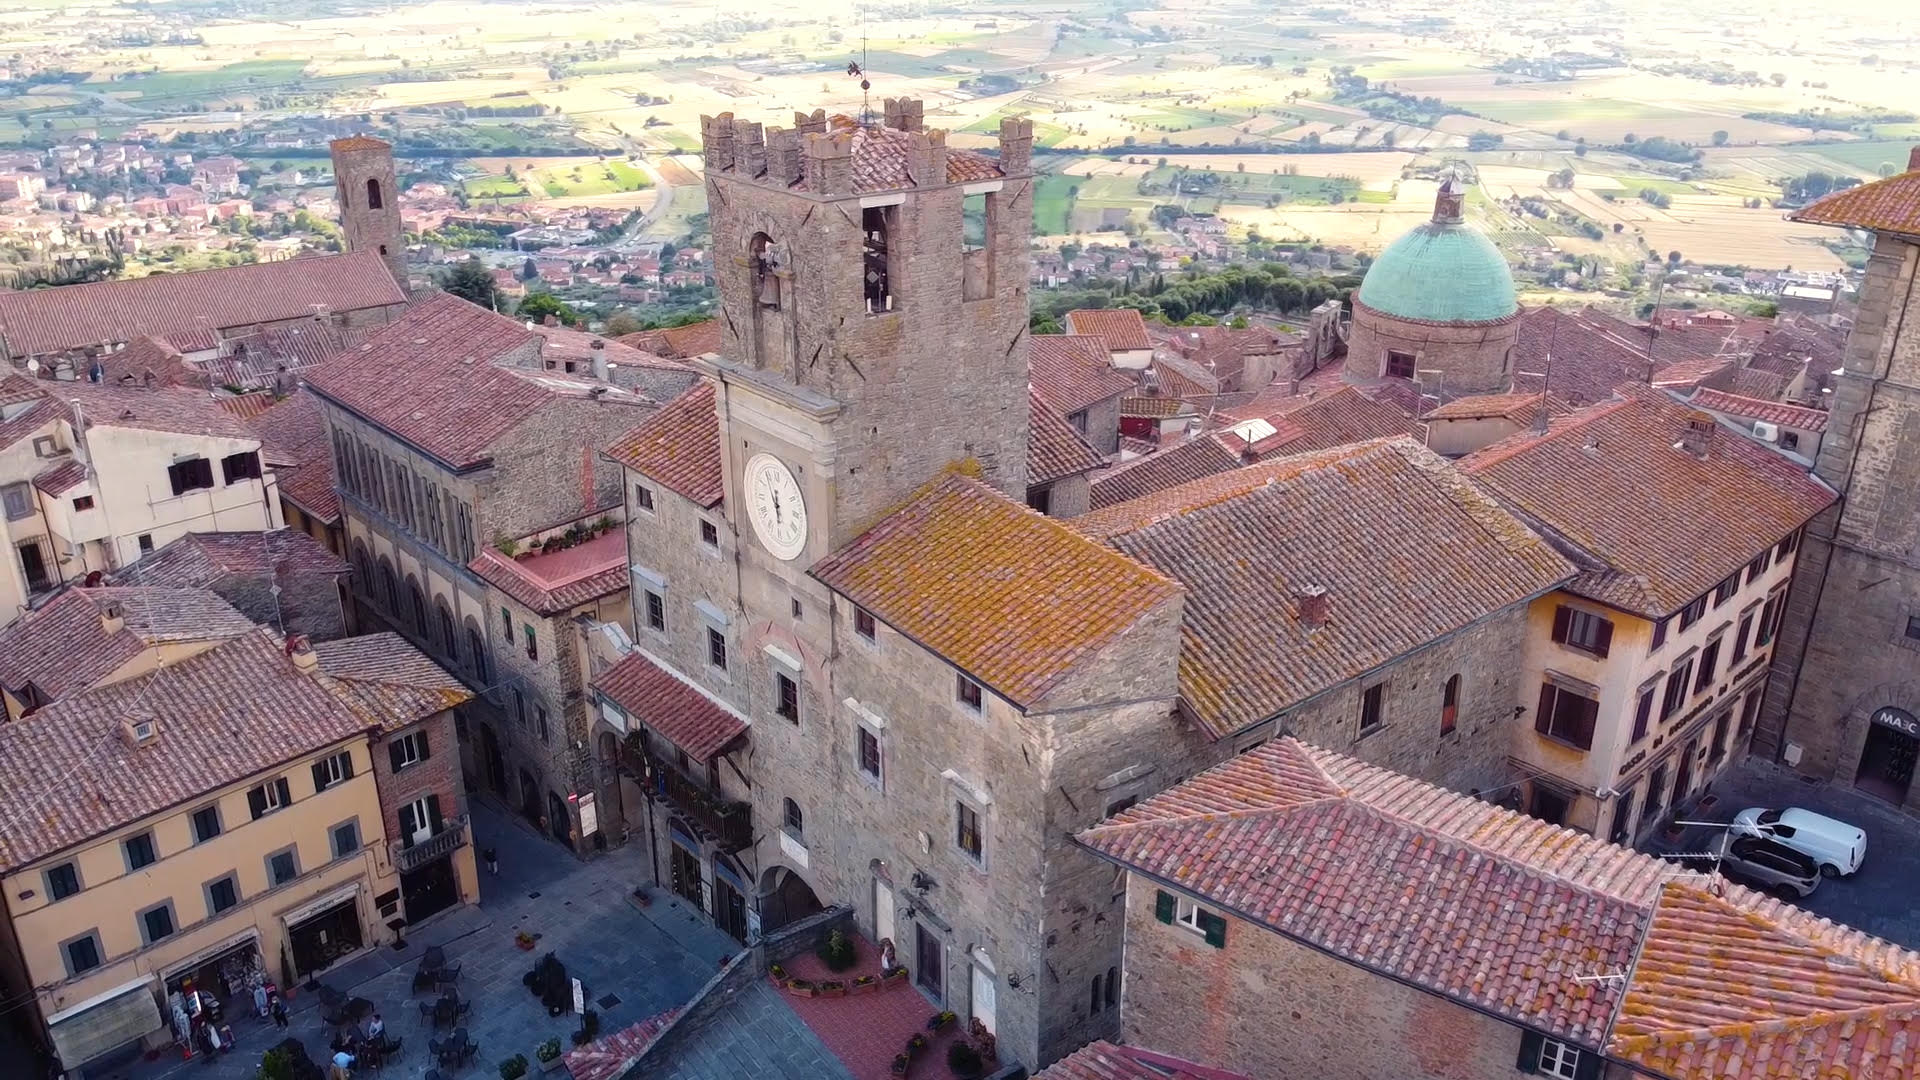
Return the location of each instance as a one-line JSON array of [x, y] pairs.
[[1837, 846]]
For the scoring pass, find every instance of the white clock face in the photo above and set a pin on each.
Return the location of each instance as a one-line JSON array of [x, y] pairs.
[[774, 505]]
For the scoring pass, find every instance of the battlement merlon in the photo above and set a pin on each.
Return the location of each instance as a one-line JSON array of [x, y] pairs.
[[1016, 146]]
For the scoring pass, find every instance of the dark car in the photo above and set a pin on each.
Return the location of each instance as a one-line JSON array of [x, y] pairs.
[[1769, 866]]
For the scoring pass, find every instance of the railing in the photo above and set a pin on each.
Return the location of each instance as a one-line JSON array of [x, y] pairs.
[[727, 820], [452, 835]]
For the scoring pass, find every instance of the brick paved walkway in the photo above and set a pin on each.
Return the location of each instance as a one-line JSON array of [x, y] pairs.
[[650, 961], [865, 1031]]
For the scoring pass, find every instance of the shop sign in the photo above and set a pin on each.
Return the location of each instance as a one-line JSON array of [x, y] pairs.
[[1899, 720], [589, 815]]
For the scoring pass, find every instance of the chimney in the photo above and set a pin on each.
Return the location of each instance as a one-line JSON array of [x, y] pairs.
[[1698, 435], [1913, 159], [139, 730], [113, 617], [600, 359], [300, 651], [1313, 605]]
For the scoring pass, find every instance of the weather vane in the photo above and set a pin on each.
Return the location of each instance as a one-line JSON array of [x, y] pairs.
[[859, 68]]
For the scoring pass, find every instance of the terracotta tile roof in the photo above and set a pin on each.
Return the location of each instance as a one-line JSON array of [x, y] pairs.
[[1158, 408], [1758, 383], [16, 388], [1175, 375], [681, 712], [679, 446], [880, 158], [359, 142], [1453, 895], [1012, 598], [1696, 371], [433, 378], [277, 354], [65, 476], [1073, 372], [1121, 328], [64, 647], [1054, 448], [1888, 205], [1651, 526], [564, 344], [246, 406], [238, 710], [198, 560], [72, 316], [293, 439], [1102, 1060], [146, 361], [1360, 522], [610, 1058], [559, 582], [1520, 407], [177, 409], [1775, 412], [30, 421], [387, 682], [1189, 459], [1345, 416], [677, 342], [1722, 990], [1587, 361]]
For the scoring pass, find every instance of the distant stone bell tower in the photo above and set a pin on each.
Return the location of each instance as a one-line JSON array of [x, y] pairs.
[[370, 200]]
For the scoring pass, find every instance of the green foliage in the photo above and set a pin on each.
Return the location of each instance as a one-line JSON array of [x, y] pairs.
[[1656, 198], [275, 1064], [471, 281], [964, 1061], [836, 951], [1660, 148], [548, 1050], [537, 306], [514, 1067]]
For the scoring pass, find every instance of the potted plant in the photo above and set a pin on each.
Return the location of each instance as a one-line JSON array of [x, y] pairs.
[[549, 1055], [915, 1044], [865, 984], [524, 940], [941, 1020], [641, 897], [893, 974], [836, 951], [833, 988], [800, 988], [506, 546], [964, 1061], [900, 1063], [779, 975], [514, 1067]]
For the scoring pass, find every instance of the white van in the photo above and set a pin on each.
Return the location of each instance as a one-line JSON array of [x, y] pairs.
[[1837, 846]]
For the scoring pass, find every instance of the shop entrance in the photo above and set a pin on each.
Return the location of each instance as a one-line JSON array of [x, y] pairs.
[[318, 941], [1887, 761], [729, 900], [685, 867], [429, 890], [529, 797]]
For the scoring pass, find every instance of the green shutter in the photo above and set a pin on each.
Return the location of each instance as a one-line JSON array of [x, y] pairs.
[[1215, 927], [1529, 1052], [1163, 906]]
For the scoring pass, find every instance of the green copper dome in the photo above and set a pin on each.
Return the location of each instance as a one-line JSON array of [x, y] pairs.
[[1442, 271]]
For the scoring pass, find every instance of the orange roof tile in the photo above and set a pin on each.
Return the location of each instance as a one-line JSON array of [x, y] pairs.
[[679, 446], [1519, 407], [1072, 371], [1888, 205], [1121, 328], [1190, 459], [1344, 416], [1054, 448], [682, 713], [1102, 1060], [1773, 412], [1654, 525], [559, 582], [1358, 521], [1012, 598]]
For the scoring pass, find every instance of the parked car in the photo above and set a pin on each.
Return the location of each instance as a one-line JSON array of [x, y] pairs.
[[1836, 846], [1768, 865]]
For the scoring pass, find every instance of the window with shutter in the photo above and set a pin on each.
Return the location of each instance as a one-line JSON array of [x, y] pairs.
[[1582, 630], [1214, 929], [1529, 1051], [1566, 716], [1163, 906]]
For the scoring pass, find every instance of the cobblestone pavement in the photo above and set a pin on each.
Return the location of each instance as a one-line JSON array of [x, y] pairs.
[[649, 961], [1879, 898]]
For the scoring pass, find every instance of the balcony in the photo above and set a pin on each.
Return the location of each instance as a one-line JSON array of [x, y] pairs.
[[452, 835], [728, 822]]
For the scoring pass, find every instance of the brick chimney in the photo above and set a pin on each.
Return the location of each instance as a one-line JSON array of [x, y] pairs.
[[600, 359], [300, 651], [1313, 605], [113, 617], [1913, 159], [1698, 436]]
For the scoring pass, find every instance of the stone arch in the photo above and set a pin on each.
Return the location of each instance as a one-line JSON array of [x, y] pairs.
[[444, 634], [374, 199], [417, 607], [785, 897], [476, 653], [362, 561], [389, 594]]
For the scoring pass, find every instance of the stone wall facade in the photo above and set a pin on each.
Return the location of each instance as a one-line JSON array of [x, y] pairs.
[[1268, 1006], [1472, 358], [1847, 648], [440, 775], [369, 195]]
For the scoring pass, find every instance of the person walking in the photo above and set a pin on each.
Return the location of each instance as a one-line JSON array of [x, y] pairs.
[[279, 1009], [493, 861]]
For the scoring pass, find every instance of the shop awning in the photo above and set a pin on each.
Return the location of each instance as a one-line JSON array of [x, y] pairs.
[[105, 1022], [213, 952], [325, 902]]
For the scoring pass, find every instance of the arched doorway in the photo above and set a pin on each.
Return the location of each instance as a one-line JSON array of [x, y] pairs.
[[785, 897], [559, 820], [1887, 759], [529, 797], [417, 610], [729, 898], [496, 763]]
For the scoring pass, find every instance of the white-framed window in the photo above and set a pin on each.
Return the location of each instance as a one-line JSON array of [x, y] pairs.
[[643, 497], [1184, 913], [409, 749], [968, 693], [332, 770], [1557, 1059]]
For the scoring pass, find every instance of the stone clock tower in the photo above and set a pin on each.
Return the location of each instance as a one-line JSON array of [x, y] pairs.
[[873, 319]]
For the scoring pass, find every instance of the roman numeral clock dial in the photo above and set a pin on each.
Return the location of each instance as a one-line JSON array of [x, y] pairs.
[[775, 506]]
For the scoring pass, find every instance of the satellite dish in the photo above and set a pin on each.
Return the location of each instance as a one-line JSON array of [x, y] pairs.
[[33, 367]]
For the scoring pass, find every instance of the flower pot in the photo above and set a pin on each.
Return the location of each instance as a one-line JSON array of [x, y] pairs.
[[837, 991], [555, 1065], [864, 987], [894, 976]]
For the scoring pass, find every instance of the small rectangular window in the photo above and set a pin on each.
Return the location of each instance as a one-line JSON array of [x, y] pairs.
[[83, 953], [1769, 621], [716, 648], [268, 797], [82, 504], [540, 723], [967, 830], [282, 867], [45, 446], [710, 534], [1759, 565], [1207, 924], [1399, 364], [156, 923], [62, 881], [1913, 627], [506, 625], [643, 497], [1692, 612], [1566, 716], [1709, 666], [969, 692], [1583, 630], [18, 499], [869, 753], [243, 466], [1724, 591], [786, 694], [1786, 546], [1372, 703], [346, 839], [206, 824], [1559, 1060], [140, 851], [193, 474], [1659, 634], [1740, 637], [533, 643], [656, 611], [221, 895], [411, 748], [1677, 689], [1643, 714], [863, 623], [335, 769]]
